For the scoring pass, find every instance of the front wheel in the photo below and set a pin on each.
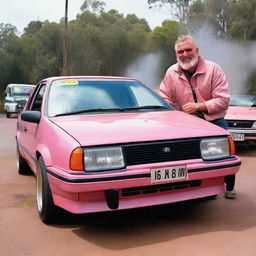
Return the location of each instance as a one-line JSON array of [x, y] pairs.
[[21, 163], [48, 212]]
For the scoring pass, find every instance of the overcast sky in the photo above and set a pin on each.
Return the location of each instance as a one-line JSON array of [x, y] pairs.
[[20, 12]]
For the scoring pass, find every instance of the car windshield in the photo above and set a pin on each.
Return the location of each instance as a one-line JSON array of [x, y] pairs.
[[242, 101], [78, 96], [21, 91]]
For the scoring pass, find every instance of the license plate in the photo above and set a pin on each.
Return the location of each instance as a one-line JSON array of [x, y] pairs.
[[170, 173], [237, 136]]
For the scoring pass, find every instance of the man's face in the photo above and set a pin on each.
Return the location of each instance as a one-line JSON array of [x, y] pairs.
[[187, 55]]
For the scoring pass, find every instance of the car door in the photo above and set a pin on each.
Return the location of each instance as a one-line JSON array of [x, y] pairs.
[[27, 131]]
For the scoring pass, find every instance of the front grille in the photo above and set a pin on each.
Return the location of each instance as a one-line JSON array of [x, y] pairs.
[[155, 152], [160, 188], [239, 123], [250, 135]]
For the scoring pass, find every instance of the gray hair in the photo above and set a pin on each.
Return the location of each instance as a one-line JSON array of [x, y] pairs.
[[184, 38]]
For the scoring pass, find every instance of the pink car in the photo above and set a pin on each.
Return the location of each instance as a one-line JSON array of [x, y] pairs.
[[110, 143], [241, 117]]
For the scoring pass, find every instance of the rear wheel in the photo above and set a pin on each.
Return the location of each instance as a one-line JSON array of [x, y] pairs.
[[8, 115], [48, 212], [21, 163]]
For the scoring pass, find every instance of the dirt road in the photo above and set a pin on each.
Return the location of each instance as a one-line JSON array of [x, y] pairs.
[[199, 228]]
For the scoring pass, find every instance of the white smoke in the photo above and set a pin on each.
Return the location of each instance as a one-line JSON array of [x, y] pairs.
[[146, 69], [237, 60]]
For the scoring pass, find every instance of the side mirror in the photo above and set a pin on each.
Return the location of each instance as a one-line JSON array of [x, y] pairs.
[[31, 116]]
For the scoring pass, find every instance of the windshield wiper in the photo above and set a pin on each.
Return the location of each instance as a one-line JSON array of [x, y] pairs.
[[110, 110], [146, 107], [90, 110]]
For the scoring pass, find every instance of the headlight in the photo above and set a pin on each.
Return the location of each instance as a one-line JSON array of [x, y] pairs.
[[103, 158], [254, 124], [217, 148]]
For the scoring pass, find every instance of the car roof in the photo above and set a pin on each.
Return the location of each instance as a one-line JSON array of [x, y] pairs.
[[10, 85], [91, 78]]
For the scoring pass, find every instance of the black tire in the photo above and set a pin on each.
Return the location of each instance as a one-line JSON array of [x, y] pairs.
[[22, 166], [214, 197], [48, 212], [207, 198], [8, 115]]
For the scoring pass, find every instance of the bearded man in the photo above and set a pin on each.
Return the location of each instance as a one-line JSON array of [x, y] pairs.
[[198, 87]]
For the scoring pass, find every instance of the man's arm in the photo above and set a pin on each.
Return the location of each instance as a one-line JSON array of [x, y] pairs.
[[165, 89], [220, 92], [192, 108]]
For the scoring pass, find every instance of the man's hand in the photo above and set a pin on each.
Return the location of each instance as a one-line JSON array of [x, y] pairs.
[[191, 107]]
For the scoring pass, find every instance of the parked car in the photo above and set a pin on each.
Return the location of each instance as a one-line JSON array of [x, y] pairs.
[[110, 143], [16, 96], [241, 117]]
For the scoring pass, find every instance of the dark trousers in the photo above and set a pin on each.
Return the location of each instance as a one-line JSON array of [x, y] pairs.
[[230, 182], [221, 123]]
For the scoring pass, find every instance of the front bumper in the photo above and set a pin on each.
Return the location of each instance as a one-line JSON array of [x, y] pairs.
[[132, 188], [10, 107]]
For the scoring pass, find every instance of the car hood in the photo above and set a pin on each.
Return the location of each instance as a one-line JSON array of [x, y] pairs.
[[241, 113], [102, 129]]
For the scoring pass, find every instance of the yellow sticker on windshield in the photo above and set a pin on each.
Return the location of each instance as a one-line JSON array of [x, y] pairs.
[[65, 82]]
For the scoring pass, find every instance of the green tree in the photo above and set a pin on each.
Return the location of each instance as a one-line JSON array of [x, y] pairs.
[[83, 45], [94, 6], [242, 24], [50, 40], [41, 46], [178, 9], [9, 69], [7, 36], [33, 27], [104, 44]]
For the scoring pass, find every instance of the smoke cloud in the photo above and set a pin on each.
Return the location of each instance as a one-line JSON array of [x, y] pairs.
[[237, 61], [146, 69]]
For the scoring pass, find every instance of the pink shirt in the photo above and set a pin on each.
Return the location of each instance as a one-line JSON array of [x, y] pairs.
[[210, 85]]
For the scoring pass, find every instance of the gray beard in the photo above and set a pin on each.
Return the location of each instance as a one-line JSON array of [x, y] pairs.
[[189, 65]]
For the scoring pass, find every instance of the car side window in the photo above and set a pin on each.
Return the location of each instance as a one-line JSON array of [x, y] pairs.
[[37, 103], [9, 92]]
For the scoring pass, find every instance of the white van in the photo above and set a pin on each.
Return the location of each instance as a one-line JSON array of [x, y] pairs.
[[16, 96]]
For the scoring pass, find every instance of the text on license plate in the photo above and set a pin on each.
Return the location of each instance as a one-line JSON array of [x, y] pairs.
[[170, 173], [237, 136]]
